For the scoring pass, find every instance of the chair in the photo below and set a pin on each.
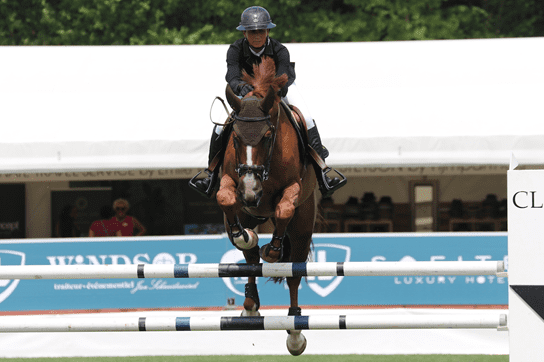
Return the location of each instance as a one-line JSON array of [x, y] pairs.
[[385, 208], [369, 207], [490, 206], [456, 209], [502, 210], [352, 209]]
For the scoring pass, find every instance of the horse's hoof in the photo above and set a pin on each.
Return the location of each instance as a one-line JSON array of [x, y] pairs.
[[248, 240], [296, 343], [265, 252], [250, 313]]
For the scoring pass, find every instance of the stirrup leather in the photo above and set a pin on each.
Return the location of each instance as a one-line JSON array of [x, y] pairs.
[[324, 187]]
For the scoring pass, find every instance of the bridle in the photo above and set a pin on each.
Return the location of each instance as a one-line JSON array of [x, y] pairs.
[[261, 171]]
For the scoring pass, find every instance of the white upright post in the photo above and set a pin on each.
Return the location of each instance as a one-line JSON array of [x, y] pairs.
[[526, 265]]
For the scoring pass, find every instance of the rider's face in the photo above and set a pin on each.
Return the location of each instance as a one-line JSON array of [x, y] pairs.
[[256, 38]]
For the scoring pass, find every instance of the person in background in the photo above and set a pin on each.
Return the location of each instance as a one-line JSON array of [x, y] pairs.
[[128, 225], [66, 226], [105, 226]]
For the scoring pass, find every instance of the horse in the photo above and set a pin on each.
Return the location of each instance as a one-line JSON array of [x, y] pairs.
[[265, 175]]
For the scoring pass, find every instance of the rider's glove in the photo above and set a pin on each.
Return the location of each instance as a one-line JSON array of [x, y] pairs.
[[245, 89]]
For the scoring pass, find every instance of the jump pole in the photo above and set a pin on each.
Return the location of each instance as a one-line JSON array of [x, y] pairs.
[[421, 268], [318, 322], [525, 264]]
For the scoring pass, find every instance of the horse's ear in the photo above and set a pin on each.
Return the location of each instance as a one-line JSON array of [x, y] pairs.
[[268, 101], [234, 101]]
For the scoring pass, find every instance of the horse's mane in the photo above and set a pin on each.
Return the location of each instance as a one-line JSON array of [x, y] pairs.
[[264, 77]]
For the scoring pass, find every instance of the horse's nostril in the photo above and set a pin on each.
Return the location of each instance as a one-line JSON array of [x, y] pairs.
[[250, 191], [250, 199]]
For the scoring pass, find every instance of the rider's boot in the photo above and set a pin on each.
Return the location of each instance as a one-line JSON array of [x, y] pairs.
[[206, 186], [327, 186]]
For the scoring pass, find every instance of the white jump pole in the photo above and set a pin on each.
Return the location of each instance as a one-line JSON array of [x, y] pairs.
[[261, 270], [318, 322], [525, 264]]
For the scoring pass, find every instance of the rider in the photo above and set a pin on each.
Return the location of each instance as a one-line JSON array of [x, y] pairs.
[[256, 24]]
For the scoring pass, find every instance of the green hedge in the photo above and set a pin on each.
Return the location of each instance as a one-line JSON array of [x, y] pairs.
[[127, 22]]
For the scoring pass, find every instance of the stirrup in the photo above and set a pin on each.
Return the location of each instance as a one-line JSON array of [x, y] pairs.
[[212, 175], [326, 189]]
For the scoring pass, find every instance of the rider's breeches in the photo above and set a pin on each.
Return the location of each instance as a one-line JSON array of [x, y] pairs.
[[294, 97], [218, 129]]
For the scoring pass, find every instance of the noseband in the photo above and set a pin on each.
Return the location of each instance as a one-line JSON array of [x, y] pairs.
[[262, 171]]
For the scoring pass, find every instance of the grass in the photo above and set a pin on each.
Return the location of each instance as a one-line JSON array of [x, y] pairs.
[[303, 358]]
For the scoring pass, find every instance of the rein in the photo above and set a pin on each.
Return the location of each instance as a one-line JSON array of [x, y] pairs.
[[229, 118], [262, 170]]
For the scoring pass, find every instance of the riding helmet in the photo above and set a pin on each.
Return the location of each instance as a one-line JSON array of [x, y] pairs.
[[255, 18]]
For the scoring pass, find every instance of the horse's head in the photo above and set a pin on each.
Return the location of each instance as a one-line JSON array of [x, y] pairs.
[[255, 131], [253, 137]]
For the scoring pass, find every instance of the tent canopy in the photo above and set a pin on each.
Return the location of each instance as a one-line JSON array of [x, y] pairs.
[[386, 104]]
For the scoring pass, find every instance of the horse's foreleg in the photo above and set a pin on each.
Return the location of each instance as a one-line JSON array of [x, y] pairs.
[[226, 198], [285, 210], [243, 239], [251, 303]]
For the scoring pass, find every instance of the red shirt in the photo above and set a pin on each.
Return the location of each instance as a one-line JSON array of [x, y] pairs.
[[103, 228], [126, 227]]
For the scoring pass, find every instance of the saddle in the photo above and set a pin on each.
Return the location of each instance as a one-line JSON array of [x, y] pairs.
[[299, 123]]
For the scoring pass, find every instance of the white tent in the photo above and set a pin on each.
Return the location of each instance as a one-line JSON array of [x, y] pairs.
[[387, 104]]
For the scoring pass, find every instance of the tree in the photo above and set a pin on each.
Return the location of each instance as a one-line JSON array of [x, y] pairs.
[[127, 22]]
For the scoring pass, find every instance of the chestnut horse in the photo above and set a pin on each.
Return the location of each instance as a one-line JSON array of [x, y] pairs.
[[265, 176]]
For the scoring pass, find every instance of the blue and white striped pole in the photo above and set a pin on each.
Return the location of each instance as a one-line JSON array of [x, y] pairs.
[[205, 323], [420, 268]]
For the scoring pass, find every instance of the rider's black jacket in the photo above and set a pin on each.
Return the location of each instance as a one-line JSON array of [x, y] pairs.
[[239, 57]]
